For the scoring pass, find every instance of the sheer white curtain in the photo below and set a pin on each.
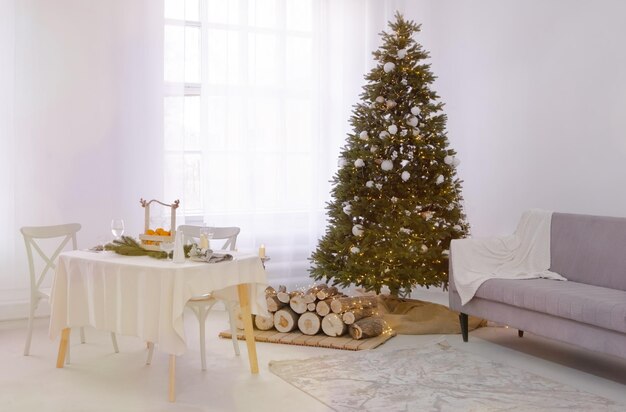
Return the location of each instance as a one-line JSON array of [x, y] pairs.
[[258, 97]]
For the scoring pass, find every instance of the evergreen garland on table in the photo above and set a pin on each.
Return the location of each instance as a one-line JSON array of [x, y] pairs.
[[128, 246], [397, 201]]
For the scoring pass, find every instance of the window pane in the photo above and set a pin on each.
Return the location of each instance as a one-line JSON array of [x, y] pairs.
[[181, 116], [192, 54], [174, 65], [223, 11], [298, 133], [263, 59], [298, 53], [182, 9], [299, 15], [297, 170], [264, 124], [174, 9], [223, 56], [173, 114], [224, 122], [262, 13], [183, 172], [192, 10]]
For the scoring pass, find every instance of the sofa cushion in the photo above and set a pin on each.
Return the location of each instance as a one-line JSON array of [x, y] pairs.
[[589, 249], [589, 304]]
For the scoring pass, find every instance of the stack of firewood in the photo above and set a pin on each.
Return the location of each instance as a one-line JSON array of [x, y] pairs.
[[321, 308]]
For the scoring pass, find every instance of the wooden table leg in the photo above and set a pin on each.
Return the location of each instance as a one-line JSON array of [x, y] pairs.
[[65, 335], [172, 388], [244, 303]]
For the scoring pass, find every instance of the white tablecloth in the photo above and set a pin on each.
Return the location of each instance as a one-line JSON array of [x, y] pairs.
[[142, 296]]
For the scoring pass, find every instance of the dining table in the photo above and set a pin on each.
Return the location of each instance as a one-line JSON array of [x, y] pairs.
[[145, 297]]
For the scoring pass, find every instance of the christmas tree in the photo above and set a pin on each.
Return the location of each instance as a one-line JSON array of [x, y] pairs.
[[397, 201]]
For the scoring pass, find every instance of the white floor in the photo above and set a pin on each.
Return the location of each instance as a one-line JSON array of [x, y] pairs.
[[100, 380]]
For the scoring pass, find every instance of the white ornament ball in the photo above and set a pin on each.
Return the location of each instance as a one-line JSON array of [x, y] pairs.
[[347, 209], [355, 250], [424, 248], [380, 99], [363, 135], [412, 121], [384, 134], [404, 163], [456, 161], [394, 200], [389, 66], [369, 184], [373, 149], [405, 175], [404, 82], [356, 198], [393, 129], [386, 165], [401, 53], [439, 179], [457, 228], [342, 162], [379, 186], [357, 230], [415, 111], [448, 160], [407, 212], [391, 104], [359, 163]]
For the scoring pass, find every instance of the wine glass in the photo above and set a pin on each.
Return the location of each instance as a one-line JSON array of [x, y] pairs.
[[167, 247], [117, 228]]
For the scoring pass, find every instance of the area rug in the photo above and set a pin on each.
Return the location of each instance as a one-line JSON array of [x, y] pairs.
[[319, 340], [437, 377]]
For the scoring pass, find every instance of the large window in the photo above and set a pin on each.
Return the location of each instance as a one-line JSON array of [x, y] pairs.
[[240, 101]]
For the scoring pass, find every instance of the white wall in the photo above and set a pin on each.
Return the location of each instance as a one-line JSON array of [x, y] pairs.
[[87, 120], [535, 93]]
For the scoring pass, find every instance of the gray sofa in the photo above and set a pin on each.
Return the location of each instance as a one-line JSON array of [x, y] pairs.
[[589, 310]]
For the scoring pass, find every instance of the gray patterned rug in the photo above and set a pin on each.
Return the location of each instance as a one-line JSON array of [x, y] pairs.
[[437, 377]]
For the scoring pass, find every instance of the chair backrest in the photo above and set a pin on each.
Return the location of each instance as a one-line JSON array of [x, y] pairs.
[[32, 234], [230, 234]]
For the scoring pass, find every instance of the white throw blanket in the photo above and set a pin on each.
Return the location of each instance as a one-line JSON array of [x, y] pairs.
[[523, 255]]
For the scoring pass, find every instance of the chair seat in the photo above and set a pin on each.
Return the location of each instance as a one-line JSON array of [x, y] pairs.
[[201, 298]]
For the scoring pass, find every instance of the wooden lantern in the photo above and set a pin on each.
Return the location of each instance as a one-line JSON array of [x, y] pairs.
[[153, 241]]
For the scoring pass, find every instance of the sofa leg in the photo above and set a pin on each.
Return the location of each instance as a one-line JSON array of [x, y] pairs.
[[464, 325], [520, 333]]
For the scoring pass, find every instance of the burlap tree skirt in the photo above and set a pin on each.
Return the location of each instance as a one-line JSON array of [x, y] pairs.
[[416, 317]]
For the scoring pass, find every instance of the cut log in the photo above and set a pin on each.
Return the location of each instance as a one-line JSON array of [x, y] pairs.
[[298, 304], [310, 294], [264, 322], [327, 293], [323, 307], [311, 306], [332, 325], [367, 328], [273, 304], [286, 297], [341, 305], [309, 323], [357, 314], [285, 320], [270, 291]]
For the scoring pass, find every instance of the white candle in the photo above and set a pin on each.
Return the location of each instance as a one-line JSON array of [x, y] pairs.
[[204, 242], [262, 251]]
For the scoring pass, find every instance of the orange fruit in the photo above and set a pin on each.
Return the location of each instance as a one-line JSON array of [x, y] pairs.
[[150, 232]]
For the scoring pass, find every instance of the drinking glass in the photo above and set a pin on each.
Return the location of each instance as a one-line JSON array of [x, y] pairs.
[[117, 228]]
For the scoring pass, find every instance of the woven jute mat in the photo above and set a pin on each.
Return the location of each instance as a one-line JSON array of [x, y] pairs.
[[319, 340]]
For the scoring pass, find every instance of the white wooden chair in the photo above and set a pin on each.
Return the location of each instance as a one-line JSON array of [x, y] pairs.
[[201, 305], [33, 234]]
